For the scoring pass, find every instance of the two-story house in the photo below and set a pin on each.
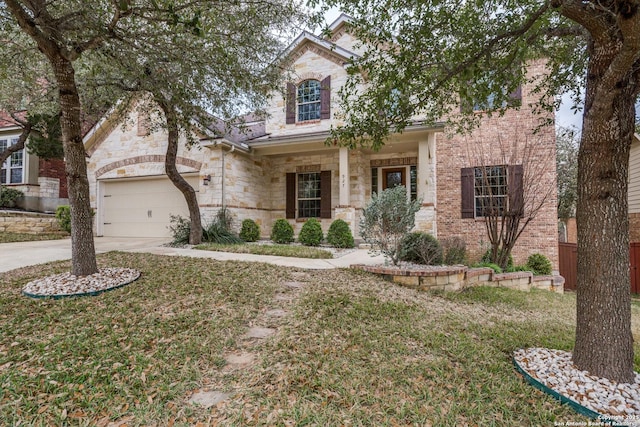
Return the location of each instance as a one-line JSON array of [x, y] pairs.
[[282, 167]]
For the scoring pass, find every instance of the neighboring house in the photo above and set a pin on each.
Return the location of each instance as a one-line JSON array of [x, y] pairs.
[[282, 168], [43, 182], [634, 190]]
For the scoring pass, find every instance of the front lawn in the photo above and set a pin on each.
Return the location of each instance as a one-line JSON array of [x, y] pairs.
[[276, 250], [9, 237], [352, 350]]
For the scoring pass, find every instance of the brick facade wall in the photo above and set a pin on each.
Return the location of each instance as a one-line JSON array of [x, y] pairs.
[[513, 131], [54, 168]]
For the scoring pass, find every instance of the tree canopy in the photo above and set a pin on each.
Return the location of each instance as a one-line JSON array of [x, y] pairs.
[[433, 59], [195, 54]]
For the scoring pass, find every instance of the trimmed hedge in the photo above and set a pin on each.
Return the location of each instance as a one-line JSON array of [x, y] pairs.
[[339, 234], [250, 231], [282, 231], [311, 233]]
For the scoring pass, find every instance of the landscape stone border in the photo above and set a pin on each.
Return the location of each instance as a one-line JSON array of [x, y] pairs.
[[66, 285], [457, 277], [582, 410]]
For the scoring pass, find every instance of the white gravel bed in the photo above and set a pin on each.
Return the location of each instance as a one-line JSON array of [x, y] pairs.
[[66, 284], [619, 403]]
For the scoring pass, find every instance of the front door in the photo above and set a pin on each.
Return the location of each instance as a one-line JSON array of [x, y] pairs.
[[393, 177]]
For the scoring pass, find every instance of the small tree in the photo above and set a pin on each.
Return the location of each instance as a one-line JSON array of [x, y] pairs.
[[388, 217]]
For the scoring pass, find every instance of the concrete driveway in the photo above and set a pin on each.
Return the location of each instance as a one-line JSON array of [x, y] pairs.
[[22, 254]]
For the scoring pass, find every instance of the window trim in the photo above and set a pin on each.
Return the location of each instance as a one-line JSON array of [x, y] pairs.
[[7, 167], [303, 199], [300, 102]]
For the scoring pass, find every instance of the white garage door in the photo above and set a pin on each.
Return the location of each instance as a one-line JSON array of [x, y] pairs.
[[142, 207]]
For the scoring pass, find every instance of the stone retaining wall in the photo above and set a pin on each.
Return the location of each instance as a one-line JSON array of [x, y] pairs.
[[455, 278], [28, 222]]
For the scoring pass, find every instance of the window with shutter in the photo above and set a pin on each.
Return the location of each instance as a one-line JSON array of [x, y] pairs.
[[492, 190], [309, 195], [309, 101]]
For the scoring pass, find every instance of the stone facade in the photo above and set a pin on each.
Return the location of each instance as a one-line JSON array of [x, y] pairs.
[[28, 222], [249, 175]]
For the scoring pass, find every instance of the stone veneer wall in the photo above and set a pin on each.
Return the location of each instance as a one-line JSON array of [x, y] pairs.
[[28, 222], [462, 151]]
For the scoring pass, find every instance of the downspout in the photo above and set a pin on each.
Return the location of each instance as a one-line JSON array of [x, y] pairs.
[[223, 201]]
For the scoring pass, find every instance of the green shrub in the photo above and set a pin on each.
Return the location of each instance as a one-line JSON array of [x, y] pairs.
[[224, 219], [339, 234], [539, 265], [486, 258], [311, 233], [421, 248], [9, 197], [495, 267], [63, 215], [179, 227], [386, 219], [454, 250], [282, 231], [250, 231], [516, 268], [217, 232]]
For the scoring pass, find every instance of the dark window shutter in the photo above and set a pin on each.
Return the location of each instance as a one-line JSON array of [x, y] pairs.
[[291, 104], [291, 196], [325, 98], [467, 202], [325, 194], [516, 189]]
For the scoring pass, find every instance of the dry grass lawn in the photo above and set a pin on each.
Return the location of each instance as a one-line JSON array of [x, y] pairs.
[[351, 350]]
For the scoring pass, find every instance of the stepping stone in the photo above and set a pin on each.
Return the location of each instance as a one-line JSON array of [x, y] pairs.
[[300, 275], [284, 297], [294, 285], [276, 312], [207, 399], [259, 333], [239, 360]]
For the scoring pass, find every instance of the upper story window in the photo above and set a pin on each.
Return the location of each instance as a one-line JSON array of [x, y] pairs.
[[12, 171], [308, 101]]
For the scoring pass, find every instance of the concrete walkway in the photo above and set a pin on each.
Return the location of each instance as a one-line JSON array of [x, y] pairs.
[[22, 254]]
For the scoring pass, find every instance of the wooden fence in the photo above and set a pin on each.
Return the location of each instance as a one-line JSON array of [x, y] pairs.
[[568, 257]]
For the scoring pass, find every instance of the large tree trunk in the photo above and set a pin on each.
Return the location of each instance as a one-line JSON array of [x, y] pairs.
[[195, 234], [604, 343], [83, 254]]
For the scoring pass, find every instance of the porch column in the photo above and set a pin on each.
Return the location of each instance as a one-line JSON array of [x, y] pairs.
[[426, 169], [426, 217], [344, 185]]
